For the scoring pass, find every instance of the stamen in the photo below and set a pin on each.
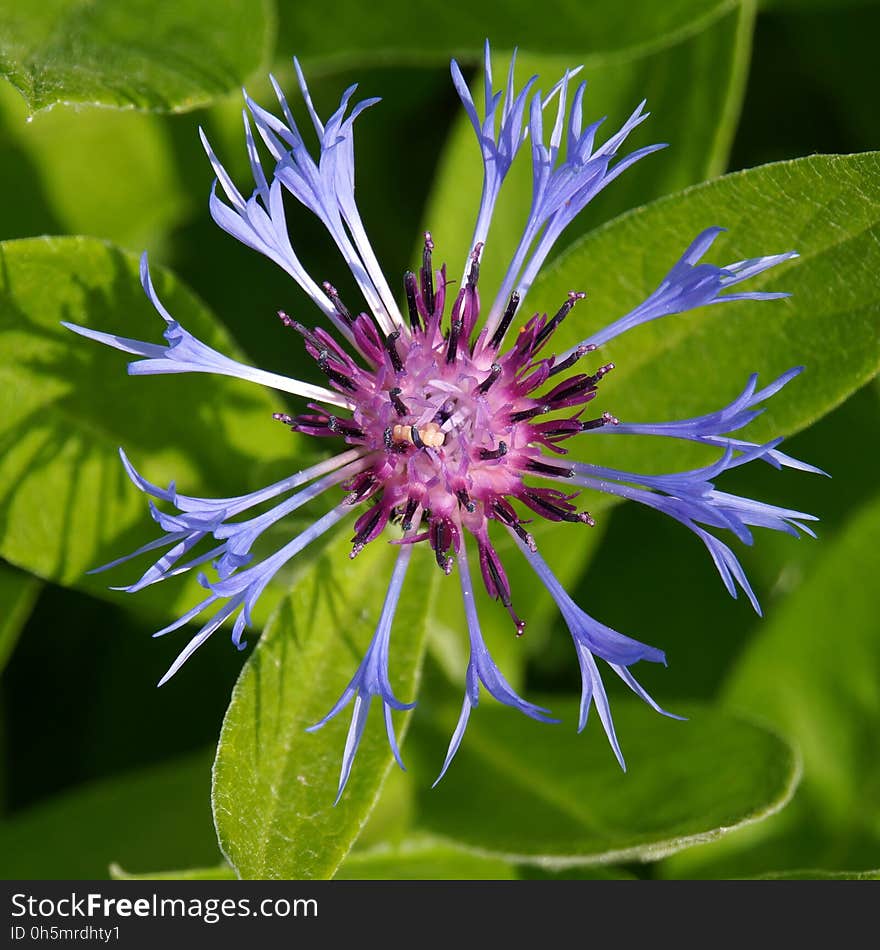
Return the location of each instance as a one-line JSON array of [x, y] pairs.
[[283, 417], [360, 489], [558, 512], [441, 539], [507, 515], [601, 372], [503, 595], [409, 285], [452, 343], [338, 305], [551, 325], [498, 453], [332, 374], [397, 402], [427, 274], [474, 272], [554, 471], [525, 414], [494, 373], [604, 420], [360, 539], [506, 320], [390, 344], [344, 426], [415, 437], [580, 352], [464, 499], [408, 513], [386, 438]]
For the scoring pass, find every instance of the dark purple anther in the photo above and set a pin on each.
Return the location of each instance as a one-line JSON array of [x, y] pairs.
[[551, 325], [494, 373], [397, 402], [506, 320], [338, 305], [498, 453], [390, 343], [427, 274], [409, 285]]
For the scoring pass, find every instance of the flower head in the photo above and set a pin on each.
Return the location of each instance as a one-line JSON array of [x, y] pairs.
[[444, 427]]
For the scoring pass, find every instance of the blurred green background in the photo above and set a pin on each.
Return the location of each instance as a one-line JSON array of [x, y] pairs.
[[98, 766]]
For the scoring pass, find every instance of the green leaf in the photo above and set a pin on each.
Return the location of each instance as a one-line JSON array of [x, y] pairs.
[[18, 594], [536, 793], [148, 818], [219, 872], [422, 858], [274, 783], [399, 34], [168, 57], [813, 674], [827, 208], [67, 405], [698, 118], [115, 176]]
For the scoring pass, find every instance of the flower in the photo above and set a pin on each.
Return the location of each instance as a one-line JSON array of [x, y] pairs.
[[444, 428]]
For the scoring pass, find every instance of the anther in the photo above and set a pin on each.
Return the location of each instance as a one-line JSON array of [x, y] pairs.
[[441, 539], [579, 353], [390, 344], [474, 272], [360, 539], [409, 285], [506, 320], [415, 437], [498, 453], [494, 373], [427, 274], [452, 343], [397, 402], [332, 374], [507, 515], [552, 325], [338, 305], [386, 438], [408, 513], [554, 471], [601, 372], [283, 417], [525, 414], [606, 419], [464, 499]]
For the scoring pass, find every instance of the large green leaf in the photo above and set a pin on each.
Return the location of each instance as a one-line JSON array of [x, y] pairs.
[[274, 783], [115, 176], [165, 57], [66, 504], [813, 674], [697, 118], [538, 793], [827, 208], [421, 858], [148, 818], [400, 32], [18, 594]]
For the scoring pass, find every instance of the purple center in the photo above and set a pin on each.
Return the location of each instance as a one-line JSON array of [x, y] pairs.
[[454, 427]]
